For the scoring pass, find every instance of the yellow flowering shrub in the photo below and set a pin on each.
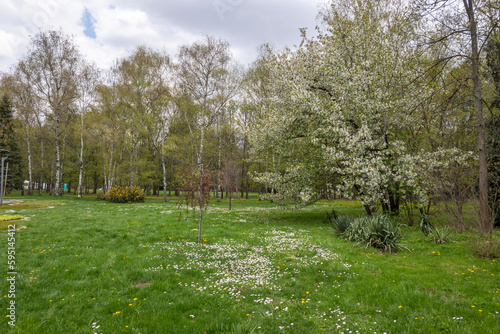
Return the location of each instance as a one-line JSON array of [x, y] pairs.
[[119, 194]]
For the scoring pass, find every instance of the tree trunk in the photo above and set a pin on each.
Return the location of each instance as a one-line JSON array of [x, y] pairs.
[[164, 170], [484, 224], [61, 186], [58, 164], [95, 182], [171, 177], [80, 176], [368, 209], [51, 184], [40, 186], [218, 160], [131, 159], [30, 175]]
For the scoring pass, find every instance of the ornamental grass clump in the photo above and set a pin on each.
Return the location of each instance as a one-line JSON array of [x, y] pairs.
[[439, 236], [377, 231], [119, 194], [341, 223], [425, 224], [385, 235]]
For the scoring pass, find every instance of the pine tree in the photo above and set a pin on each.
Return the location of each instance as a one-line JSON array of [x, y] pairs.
[[8, 145]]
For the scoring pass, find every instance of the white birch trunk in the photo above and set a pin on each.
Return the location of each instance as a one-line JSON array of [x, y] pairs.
[[218, 162], [30, 175], [61, 188], [40, 186], [80, 176], [164, 169], [58, 165]]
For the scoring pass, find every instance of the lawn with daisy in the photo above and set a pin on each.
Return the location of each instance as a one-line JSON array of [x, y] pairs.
[[88, 266]]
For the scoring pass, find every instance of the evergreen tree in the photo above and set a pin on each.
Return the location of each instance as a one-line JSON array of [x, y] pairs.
[[8, 144]]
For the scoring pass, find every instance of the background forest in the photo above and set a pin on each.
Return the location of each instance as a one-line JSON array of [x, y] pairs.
[[389, 103]]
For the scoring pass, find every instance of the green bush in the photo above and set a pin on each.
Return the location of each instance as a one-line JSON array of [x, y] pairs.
[[486, 249], [377, 231], [119, 194], [341, 224], [440, 235], [358, 230], [384, 234]]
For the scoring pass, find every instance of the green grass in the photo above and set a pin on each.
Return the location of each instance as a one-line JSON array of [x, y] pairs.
[[134, 268]]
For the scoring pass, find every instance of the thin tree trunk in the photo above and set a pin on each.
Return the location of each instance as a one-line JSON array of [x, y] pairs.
[[40, 186], [80, 176], [164, 169], [218, 159], [5, 180], [30, 175], [58, 164], [95, 182], [171, 176], [51, 184], [485, 224], [61, 189], [131, 159]]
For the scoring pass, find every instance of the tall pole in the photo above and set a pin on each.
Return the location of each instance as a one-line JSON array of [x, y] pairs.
[[1, 182], [5, 182]]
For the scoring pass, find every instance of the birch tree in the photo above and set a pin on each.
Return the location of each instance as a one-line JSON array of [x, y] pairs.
[[87, 87], [53, 65], [209, 77]]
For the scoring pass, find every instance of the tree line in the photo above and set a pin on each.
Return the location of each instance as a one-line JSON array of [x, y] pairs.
[[393, 103]]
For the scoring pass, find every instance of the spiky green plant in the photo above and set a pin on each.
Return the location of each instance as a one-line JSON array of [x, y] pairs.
[[425, 224], [439, 236], [377, 231], [341, 224]]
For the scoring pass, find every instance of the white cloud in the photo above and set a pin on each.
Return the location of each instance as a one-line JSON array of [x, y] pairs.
[[122, 26]]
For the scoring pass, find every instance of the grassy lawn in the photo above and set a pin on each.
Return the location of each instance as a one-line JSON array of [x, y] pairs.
[[87, 266]]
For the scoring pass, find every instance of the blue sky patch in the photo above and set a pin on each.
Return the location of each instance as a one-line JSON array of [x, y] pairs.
[[88, 23]]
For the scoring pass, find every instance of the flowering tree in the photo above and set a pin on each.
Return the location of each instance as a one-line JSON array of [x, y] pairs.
[[343, 104]]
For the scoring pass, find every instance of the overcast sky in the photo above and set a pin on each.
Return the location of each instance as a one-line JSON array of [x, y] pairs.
[[109, 29]]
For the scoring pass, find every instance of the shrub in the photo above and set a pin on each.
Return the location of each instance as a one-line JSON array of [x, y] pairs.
[[358, 230], [377, 231], [486, 249], [119, 194], [440, 235], [101, 197], [384, 234], [341, 223], [10, 217]]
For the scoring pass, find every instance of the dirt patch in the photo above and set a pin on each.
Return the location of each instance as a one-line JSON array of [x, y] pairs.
[[141, 284]]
